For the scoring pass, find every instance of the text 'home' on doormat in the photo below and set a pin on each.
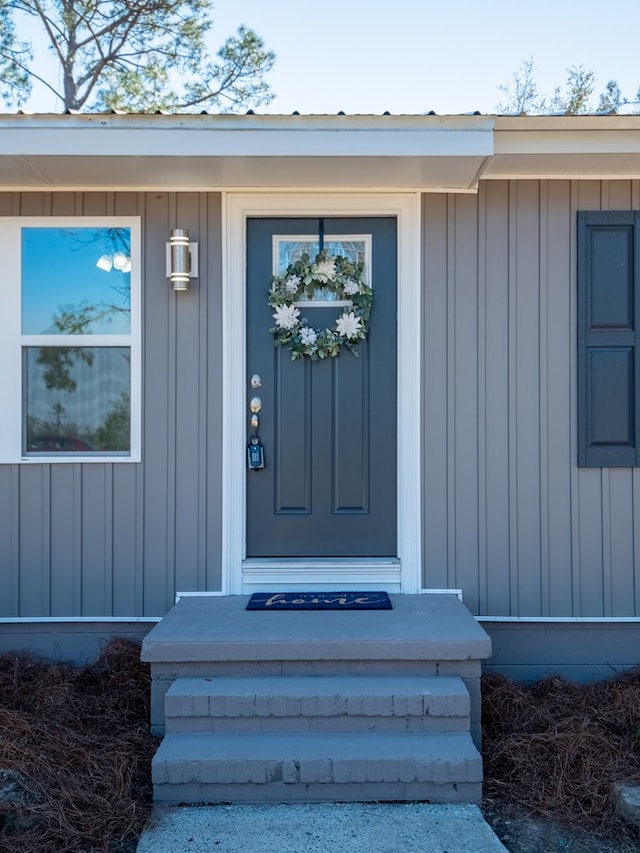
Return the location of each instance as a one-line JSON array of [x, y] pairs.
[[319, 601]]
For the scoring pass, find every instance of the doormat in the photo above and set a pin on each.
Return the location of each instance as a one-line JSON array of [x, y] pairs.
[[319, 601]]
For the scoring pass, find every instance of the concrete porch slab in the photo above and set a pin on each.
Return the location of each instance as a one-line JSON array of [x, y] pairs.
[[219, 628], [320, 828]]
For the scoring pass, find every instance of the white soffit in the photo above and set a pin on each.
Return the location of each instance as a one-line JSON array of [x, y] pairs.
[[208, 152], [211, 173], [566, 147]]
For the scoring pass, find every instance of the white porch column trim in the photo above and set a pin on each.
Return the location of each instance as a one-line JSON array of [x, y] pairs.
[[237, 207]]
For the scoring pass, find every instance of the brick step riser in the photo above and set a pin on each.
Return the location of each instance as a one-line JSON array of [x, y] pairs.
[[414, 725], [287, 696], [237, 767], [228, 771], [320, 770], [353, 792], [251, 666], [290, 772], [318, 766], [168, 674], [388, 705]]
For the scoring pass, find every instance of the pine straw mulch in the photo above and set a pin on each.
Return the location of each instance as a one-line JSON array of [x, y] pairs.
[[75, 750], [75, 753], [556, 748]]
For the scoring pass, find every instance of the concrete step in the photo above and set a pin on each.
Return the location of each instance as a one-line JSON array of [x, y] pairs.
[[317, 767], [317, 704], [422, 636]]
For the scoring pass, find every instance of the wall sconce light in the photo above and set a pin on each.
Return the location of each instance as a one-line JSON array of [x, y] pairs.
[[182, 259]]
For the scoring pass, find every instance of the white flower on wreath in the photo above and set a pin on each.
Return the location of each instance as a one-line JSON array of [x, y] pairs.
[[308, 336], [292, 284], [325, 270], [286, 316], [348, 325], [346, 280]]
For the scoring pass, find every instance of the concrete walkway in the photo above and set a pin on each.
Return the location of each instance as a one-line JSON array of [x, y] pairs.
[[319, 828]]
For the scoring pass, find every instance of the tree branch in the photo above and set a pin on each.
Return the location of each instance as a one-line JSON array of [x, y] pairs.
[[37, 77], [134, 47]]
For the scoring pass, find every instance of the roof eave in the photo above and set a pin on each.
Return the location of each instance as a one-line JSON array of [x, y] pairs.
[[208, 152]]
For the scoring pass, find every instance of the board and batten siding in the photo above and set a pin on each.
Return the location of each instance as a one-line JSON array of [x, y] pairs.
[[508, 516], [117, 539]]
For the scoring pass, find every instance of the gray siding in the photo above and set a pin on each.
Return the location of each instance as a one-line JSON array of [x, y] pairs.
[[119, 539], [76, 642], [580, 651], [508, 515]]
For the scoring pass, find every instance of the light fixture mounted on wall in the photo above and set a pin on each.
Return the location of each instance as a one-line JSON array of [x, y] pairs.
[[182, 259]]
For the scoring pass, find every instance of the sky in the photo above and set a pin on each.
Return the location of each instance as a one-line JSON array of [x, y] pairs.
[[413, 56]]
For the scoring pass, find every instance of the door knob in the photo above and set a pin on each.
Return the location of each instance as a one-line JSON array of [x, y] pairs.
[[254, 407], [255, 450]]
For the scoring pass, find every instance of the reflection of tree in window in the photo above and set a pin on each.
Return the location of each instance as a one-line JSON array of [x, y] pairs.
[[78, 399], [58, 411], [114, 432], [78, 319], [58, 362], [76, 281], [112, 435]]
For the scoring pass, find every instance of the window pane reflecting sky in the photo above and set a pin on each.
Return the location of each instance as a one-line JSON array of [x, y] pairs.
[[63, 289]]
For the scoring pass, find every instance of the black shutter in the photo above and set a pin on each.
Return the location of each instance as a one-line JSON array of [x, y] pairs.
[[608, 350]]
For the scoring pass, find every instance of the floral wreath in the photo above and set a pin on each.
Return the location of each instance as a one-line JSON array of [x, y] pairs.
[[336, 274]]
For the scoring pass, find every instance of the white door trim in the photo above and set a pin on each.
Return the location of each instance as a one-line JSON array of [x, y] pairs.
[[237, 207]]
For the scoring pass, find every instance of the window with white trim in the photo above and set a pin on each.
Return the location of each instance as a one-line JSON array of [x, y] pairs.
[[70, 339]]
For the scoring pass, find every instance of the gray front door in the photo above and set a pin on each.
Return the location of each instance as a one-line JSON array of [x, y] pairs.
[[328, 427]]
